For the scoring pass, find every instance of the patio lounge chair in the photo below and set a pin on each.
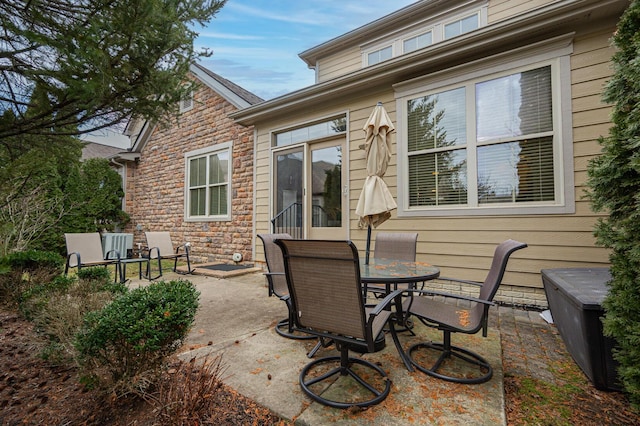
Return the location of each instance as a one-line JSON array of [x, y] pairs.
[[85, 250], [327, 301], [159, 246], [456, 313]]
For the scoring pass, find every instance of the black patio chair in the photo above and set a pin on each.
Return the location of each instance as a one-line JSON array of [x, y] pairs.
[[277, 283], [457, 313], [327, 301]]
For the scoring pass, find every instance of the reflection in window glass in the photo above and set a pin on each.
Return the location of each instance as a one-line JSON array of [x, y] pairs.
[[437, 121], [514, 105], [437, 179], [437, 167], [326, 166], [513, 146], [320, 130], [516, 172], [379, 55], [461, 26], [418, 42]]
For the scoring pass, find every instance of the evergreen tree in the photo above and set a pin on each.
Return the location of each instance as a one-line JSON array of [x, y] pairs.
[[614, 182], [98, 61]]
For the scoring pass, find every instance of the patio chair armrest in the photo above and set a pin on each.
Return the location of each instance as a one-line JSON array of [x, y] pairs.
[[77, 255], [150, 252], [186, 246], [382, 305], [106, 256], [450, 295]]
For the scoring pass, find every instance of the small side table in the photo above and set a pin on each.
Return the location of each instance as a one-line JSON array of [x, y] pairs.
[[138, 260]]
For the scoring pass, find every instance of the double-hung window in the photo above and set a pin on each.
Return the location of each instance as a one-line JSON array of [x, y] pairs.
[[208, 185], [488, 145]]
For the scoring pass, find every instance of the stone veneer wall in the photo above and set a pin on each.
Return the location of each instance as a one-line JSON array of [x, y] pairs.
[[155, 184]]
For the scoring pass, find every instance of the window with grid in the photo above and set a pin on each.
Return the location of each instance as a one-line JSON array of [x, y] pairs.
[[461, 26], [417, 42], [208, 185], [488, 142], [379, 55]]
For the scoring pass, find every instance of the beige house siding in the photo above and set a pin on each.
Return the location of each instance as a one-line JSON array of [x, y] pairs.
[[504, 9], [463, 246], [342, 63], [156, 191], [350, 59]]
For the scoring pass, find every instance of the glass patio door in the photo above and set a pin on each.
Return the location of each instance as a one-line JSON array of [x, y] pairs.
[[310, 198], [288, 198], [327, 201]]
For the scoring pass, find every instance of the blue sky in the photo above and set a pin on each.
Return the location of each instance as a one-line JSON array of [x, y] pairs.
[[256, 43]]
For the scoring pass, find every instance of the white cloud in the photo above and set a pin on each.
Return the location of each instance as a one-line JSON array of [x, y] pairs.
[[256, 43]]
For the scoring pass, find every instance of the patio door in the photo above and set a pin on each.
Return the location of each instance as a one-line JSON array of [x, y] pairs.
[[327, 202], [310, 197]]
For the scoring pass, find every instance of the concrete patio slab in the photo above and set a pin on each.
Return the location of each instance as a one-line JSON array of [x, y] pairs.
[[236, 319]]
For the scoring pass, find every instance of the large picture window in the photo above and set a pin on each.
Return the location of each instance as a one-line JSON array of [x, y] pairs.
[[491, 142], [208, 183]]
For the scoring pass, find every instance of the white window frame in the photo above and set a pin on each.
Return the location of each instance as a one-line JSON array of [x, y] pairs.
[[206, 152], [554, 53], [367, 53], [415, 36], [460, 18], [434, 25]]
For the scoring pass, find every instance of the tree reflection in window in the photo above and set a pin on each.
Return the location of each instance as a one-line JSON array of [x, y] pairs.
[[437, 156]]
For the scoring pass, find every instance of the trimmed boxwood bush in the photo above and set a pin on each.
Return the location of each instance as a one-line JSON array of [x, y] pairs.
[[125, 345]]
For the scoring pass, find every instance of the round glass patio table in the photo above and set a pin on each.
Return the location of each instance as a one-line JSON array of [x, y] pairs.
[[392, 272]]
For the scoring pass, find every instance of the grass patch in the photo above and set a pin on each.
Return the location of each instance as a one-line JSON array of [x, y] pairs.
[[538, 402]]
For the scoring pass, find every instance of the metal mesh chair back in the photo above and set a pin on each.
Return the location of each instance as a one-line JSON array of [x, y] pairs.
[[161, 240], [275, 262], [324, 283], [396, 245], [88, 245], [498, 268]]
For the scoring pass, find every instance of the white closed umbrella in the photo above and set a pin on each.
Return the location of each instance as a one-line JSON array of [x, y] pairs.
[[376, 202]]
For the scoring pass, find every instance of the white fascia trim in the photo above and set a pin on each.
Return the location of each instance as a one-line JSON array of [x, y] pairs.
[[222, 90]]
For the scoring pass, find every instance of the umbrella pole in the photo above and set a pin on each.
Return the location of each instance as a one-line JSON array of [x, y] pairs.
[[366, 259]]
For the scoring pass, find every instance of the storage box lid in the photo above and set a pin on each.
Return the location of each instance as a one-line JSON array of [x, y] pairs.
[[587, 287]]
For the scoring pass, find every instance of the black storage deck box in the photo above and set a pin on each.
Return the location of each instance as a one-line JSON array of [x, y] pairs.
[[575, 298]]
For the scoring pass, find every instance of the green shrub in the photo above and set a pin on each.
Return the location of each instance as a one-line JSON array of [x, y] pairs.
[[614, 181], [95, 273], [21, 270], [98, 278], [126, 344], [57, 308], [34, 298]]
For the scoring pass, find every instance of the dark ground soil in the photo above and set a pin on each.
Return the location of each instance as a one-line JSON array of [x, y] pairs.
[[35, 392]]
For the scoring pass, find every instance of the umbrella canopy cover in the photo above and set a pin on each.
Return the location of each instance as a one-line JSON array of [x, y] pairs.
[[376, 202]]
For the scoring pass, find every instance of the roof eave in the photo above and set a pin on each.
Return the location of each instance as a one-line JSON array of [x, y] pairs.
[[219, 88], [372, 29], [543, 23]]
